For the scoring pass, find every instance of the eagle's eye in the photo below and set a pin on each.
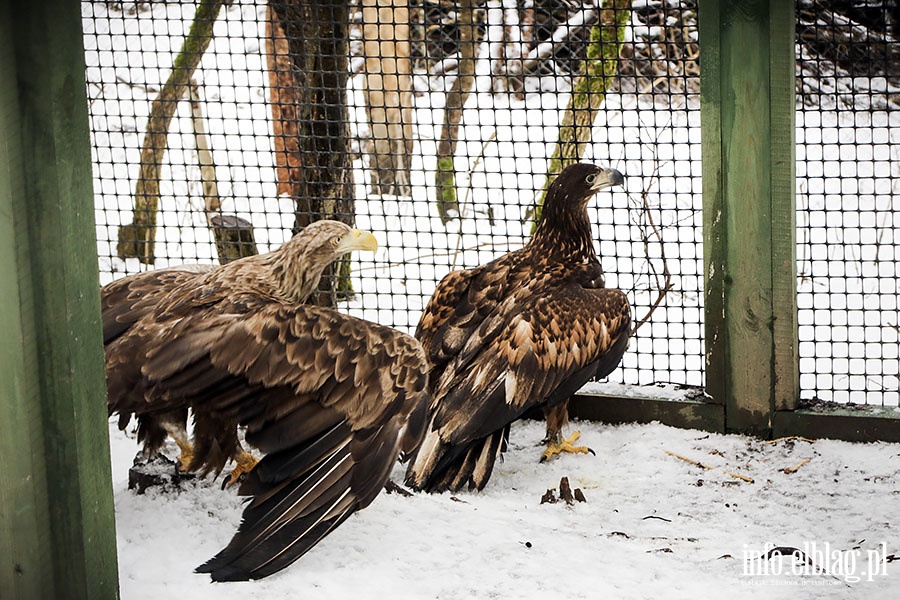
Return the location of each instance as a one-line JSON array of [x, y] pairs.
[[590, 178], [335, 241]]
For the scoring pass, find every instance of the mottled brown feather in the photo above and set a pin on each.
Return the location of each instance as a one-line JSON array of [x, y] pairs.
[[525, 330], [331, 400]]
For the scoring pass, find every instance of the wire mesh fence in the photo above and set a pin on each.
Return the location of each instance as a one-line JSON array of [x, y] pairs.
[[848, 130], [435, 124]]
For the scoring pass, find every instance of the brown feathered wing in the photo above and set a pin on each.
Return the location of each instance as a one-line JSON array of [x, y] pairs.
[[504, 338], [331, 400], [124, 303]]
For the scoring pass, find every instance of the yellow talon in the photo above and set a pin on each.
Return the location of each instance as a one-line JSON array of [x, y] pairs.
[[183, 462], [245, 463], [177, 432], [558, 446]]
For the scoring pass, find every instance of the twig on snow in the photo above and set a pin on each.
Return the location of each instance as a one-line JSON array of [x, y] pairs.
[[697, 463], [795, 468]]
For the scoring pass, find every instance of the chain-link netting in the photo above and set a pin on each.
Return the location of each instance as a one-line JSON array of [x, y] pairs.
[[435, 123], [848, 169]]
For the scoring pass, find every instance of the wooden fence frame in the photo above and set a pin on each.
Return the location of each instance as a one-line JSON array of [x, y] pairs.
[[56, 507], [57, 525], [747, 104]]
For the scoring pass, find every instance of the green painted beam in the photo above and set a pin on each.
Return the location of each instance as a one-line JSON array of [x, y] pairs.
[[56, 498], [747, 79], [24, 522], [783, 178], [714, 245], [683, 413], [840, 422]]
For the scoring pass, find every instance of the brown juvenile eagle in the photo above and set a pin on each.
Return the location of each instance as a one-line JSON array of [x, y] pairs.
[[330, 400], [525, 330]]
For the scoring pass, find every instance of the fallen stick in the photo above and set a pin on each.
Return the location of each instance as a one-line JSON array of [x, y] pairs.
[[697, 463], [791, 470], [790, 438]]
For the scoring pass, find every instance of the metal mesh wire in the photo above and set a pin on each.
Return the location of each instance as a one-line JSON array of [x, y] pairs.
[[847, 173], [523, 58]]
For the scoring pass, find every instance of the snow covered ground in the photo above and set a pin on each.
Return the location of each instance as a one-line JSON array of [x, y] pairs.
[[653, 526]]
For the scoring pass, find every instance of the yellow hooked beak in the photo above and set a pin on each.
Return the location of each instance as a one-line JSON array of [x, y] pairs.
[[358, 239]]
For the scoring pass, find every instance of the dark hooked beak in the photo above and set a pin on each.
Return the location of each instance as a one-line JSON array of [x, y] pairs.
[[607, 178]]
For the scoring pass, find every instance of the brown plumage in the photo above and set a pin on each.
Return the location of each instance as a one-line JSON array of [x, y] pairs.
[[525, 330], [330, 400]]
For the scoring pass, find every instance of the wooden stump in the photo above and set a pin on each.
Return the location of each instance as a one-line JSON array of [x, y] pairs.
[[159, 471], [234, 237]]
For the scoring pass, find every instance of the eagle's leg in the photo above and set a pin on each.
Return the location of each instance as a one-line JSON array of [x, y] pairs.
[[557, 417], [178, 432], [244, 463]]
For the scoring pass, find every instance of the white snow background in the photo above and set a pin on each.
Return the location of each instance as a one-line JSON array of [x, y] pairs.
[[653, 526]]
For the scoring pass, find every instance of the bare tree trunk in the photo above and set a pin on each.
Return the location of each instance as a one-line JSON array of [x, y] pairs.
[[506, 45], [137, 239], [589, 90], [283, 95], [388, 91], [445, 178], [312, 115], [209, 182], [233, 235]]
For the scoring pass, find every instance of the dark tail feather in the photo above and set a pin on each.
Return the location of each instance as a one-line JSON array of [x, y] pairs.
[[233, 565], [279, 527], [467, 468]]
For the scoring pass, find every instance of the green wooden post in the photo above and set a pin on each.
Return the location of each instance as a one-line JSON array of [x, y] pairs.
[[24, 525], [56, 509], [747, 102]]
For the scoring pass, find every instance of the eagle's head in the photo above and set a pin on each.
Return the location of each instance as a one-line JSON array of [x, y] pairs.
[[579, 182], [564, 228], [317, 245], [323, 242]]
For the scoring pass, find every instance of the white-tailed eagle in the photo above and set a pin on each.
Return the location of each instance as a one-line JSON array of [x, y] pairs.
[[525, 330], [331, 401]]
